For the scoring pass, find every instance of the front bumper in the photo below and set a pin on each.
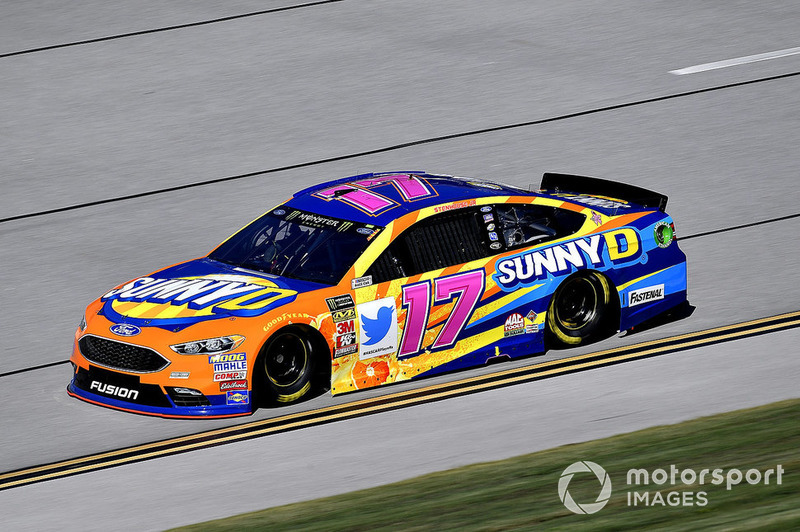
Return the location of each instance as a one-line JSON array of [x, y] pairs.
[[125, 392]]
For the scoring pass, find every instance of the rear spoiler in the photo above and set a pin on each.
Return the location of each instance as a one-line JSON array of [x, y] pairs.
[[575, 184]]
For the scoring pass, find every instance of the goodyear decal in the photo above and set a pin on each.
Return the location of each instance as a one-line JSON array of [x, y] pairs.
[[186, 300], [598, 250]]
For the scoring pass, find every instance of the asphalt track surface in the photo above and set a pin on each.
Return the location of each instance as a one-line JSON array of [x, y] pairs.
[[103, 100]]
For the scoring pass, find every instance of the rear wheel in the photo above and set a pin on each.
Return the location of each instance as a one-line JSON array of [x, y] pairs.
[[286, 366], [578, 307]]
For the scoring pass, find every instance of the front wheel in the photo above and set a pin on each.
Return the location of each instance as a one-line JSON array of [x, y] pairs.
[[578, 307], [286, 366]]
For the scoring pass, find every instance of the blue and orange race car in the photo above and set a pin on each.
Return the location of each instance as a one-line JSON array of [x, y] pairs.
[[375, 279]]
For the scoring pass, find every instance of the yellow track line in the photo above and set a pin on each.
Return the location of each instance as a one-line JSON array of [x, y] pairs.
[[393, 401]]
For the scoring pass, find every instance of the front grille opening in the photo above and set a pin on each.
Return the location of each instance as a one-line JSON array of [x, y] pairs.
[[187, 397], [119, 355]]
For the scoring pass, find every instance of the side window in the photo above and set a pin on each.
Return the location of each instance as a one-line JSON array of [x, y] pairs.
[[437, 242], [522, 225]]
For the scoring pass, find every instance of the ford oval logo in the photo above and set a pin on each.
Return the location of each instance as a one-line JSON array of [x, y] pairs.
[[124, 329]]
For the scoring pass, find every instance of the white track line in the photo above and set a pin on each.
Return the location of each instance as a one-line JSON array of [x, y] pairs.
[[736, 61]]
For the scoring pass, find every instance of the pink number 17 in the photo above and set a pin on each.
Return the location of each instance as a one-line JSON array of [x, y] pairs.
[[467, 287]]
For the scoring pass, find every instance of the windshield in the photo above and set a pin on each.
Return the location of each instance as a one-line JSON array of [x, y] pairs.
[[297, 244]]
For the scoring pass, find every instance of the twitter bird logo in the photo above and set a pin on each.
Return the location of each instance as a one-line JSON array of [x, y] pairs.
[[377, 328]]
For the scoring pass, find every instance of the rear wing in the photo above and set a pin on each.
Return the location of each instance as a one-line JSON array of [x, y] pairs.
[[575, 184]]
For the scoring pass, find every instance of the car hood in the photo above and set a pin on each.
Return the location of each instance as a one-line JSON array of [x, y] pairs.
[[199, 290]]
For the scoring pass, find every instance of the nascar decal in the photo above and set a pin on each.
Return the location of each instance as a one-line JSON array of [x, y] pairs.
[[187, 300], [619, 245]]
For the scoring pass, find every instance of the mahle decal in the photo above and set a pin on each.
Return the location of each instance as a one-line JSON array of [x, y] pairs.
[[619, 245]]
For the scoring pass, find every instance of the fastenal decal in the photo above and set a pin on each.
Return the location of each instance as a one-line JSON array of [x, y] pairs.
[[525, 268], [187, 300], [645, 295]]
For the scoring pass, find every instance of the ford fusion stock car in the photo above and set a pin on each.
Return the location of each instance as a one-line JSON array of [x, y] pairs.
[[376, 279]]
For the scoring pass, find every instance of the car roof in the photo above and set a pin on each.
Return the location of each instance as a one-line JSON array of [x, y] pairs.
[[379, 198]]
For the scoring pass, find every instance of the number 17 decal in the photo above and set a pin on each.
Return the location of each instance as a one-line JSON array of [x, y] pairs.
[[466, 287]]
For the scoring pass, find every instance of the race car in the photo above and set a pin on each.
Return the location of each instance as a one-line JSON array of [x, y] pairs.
[[377, 279]]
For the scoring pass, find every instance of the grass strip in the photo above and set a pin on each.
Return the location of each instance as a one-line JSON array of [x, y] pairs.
[[522, 492]]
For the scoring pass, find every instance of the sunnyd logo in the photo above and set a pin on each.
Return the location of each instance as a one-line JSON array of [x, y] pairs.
[[186, 300], [584, 467], [619, 245]]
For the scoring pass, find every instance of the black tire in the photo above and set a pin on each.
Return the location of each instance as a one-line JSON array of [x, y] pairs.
[[285, 368], [579, 307]]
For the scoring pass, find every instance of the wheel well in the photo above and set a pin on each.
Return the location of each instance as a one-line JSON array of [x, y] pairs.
[[322, 351], [611, 320]]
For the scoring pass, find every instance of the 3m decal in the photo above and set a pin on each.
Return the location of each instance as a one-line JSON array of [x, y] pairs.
[[344, 327], [466, 288], [184, 301], [645, 295], [525, 268], [378, 330]]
